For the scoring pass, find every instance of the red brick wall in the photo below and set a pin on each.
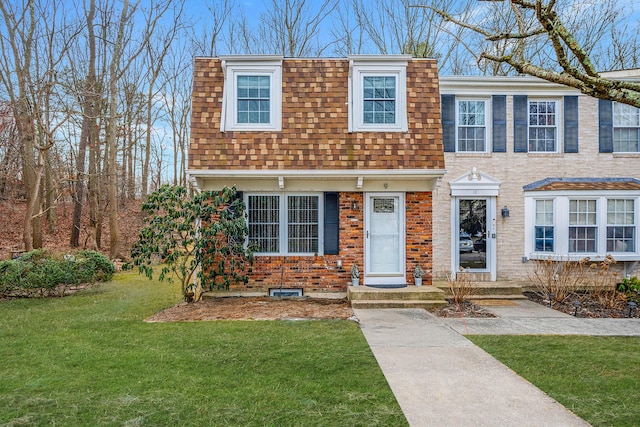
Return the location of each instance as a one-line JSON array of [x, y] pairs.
[[419, 226], [320, 273]]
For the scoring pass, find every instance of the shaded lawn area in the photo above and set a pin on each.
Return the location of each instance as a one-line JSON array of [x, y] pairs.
[[89, 359], [597, 378]]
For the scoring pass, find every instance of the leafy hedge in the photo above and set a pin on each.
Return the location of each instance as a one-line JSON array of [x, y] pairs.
[[39, 273]]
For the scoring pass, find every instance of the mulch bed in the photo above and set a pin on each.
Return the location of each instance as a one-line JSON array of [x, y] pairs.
[[255, 308], [463, 309], [589, 306]]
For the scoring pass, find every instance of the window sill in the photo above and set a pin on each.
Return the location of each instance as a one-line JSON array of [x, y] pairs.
[[473, 154], [626, 155], [632, 256], [543, 154]]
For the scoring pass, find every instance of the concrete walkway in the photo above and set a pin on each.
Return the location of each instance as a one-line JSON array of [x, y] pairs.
[[442, 379]]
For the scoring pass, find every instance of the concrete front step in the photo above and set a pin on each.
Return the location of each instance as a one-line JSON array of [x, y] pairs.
[[409, 293], [371, 304], [504, 289]]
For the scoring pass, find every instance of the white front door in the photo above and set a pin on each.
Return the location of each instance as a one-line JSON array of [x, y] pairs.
[[384, 239]]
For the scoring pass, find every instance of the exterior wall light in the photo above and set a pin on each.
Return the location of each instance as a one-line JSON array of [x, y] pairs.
[[505, 212], [354, 205]]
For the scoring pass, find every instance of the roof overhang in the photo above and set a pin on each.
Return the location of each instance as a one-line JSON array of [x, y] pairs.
[[319, 180]]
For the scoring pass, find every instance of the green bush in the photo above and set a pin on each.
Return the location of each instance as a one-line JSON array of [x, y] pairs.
[[39, 273]]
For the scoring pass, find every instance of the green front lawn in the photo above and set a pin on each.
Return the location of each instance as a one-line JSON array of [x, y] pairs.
[[89, 359], [597, 378]]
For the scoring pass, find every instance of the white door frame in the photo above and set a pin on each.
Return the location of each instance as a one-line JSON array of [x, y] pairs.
[[490, 235], [389, 278], [475, 185]]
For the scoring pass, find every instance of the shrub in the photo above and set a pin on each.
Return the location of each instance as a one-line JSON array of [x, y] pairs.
[[630, 287], [39, 273]]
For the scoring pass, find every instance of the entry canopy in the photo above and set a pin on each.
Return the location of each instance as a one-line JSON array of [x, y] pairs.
[[474, 183]]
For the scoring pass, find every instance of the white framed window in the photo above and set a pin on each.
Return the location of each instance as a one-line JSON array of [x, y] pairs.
[[285, 223], [543, 125], [252, 99], [626, 128], [583, 226], [621, 225], [544, 226], [582, 223], [378, 92], [471, 129]]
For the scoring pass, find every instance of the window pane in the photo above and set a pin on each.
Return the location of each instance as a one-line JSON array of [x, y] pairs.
[[544, 229], [583, 230], [542, 126], [621, 228], [253, 99], [303, 224], [626, 128], [264, 223], [379, 100], [471, 126]]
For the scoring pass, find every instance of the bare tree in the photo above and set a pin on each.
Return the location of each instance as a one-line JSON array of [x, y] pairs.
[[33, 42], [570, 48], [292, 27]]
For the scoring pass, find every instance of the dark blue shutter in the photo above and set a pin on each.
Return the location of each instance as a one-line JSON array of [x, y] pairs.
[[499, 113], [520, 124], [605, 117], [570, 124], [331, 224], [448, 123]]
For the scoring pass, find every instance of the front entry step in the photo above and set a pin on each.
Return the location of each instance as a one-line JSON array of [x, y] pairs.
[[426, 304], [406, 297]]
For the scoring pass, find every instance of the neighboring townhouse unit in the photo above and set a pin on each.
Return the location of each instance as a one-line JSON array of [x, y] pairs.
[[534, 171], [336, 160]]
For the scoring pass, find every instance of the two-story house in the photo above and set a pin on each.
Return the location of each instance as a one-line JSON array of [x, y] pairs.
[[535, 170], [336, 160]]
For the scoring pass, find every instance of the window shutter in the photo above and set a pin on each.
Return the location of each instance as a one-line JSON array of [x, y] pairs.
[[520, 124], [331, 224], [499, 113], [448, 123], [570, 124], [605, 117]]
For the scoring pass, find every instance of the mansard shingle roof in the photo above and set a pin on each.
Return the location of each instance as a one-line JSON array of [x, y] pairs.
[[314, 132]]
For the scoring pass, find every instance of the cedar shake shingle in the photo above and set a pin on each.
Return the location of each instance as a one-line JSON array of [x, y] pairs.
[[315, 122]]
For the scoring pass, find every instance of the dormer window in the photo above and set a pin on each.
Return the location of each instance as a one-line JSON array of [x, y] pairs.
[[252, 99], [378, 94]]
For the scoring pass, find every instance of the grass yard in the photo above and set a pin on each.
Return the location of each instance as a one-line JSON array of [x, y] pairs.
[[597, 378], [90, 360]]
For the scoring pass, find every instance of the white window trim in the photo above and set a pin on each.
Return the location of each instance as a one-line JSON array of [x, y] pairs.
[[359, 70], [561, 225], [614, 115], [553, 223], [283, 220], [488, 120], [255, 67], [559, 124]]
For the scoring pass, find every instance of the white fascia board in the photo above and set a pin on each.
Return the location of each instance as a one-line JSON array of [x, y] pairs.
[[319, 174], [483, 85], [234, 59], [380, 59]]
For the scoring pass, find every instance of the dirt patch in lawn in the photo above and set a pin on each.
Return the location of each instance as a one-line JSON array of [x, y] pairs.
[[255, 308], [269, 308]]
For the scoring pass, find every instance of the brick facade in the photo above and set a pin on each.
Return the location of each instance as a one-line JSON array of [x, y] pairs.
[[315, 137], [514, 170], [321, 274]]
